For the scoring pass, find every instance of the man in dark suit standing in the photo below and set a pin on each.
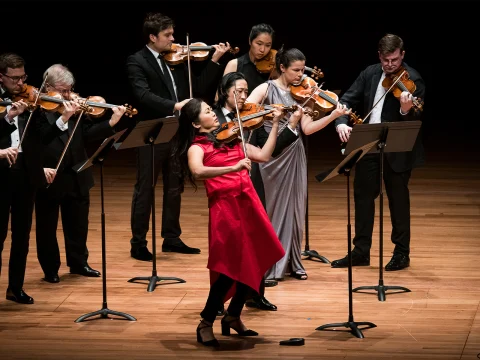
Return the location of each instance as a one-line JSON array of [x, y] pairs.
[[368, 89], [160, 90], [70, 192], [20, 175]]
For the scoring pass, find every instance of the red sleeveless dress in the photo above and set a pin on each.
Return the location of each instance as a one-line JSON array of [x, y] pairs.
[[242, 242]]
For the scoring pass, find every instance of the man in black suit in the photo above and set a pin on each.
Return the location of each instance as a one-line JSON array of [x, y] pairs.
[[70, 192], [226, 112], [368, 89], [160, 90], [20, 175]]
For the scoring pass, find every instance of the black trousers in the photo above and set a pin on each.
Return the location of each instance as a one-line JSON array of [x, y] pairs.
[[142, 196], [16, 198], [74, 208], [218, 290], [366, 190]]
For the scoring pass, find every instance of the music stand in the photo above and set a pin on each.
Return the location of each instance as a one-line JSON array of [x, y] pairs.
[[97, 159], [344, 168], [400, 137], [151, 132]]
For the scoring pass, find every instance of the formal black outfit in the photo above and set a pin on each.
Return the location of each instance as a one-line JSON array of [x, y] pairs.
[[254, 78], [154, 96], [18, 184], [397, 166], [69, 193]]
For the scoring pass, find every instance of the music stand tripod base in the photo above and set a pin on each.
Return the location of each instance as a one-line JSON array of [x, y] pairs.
[[352, 325], [313, 254], [154, 280], [382, 289]]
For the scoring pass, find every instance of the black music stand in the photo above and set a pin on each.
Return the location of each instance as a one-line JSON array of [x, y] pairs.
[[97, 159], [344, 168], [151, 132], [400, 137]]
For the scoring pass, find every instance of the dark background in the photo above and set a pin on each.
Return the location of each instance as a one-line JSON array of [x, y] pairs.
[[94, 38]]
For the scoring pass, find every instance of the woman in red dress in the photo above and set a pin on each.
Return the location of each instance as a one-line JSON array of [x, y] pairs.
[[242, 241]]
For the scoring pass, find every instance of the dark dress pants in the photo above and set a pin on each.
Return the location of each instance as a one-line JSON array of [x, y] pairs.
[[366, 190], [217, 294], [74, 208], [142, 196], [16, 198]]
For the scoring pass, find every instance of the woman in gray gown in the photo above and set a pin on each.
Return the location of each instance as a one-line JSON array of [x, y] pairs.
[[285, 176]]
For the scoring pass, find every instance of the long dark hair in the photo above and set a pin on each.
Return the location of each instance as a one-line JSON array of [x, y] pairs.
[[227, 82], [184, 137]]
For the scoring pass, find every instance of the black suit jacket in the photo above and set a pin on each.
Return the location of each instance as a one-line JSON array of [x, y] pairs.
[[55, 141], [31, 147], [151, 95], [361, 95]]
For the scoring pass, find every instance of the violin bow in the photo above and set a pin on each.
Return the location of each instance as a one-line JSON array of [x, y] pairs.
[[189, 71], [240, 125], [386, 92], [31, 112], [70, 137]]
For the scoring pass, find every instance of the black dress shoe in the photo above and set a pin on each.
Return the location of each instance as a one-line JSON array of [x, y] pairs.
[[260, 302], [221, 311], [141, 254], [357, 260], [177, 245], [52, 278], [271, 283], [398, 262], [85, 270], [19, 296]]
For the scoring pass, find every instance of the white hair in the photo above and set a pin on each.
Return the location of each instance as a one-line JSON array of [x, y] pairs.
[[58, 74]]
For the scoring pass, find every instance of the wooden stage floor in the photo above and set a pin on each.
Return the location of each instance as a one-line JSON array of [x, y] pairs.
[[438, 319]]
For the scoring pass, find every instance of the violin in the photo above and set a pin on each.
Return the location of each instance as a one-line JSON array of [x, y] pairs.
[[198, 52], [323, 100], [267, 64], [252, 116], [53, 101], [403, 84]]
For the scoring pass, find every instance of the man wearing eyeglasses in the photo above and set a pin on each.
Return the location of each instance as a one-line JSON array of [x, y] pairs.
[[20, 174]]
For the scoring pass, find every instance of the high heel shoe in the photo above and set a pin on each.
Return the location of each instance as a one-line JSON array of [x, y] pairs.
[[214, 342], [227, 325]]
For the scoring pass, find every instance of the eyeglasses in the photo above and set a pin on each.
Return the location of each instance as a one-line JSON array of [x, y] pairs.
[[16, 79], [62, 92]]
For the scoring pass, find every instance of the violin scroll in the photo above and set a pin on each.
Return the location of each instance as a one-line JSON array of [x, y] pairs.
[[315, 72]]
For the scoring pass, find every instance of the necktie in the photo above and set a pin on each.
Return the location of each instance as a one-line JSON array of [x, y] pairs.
[[167, 77], [231, 115]]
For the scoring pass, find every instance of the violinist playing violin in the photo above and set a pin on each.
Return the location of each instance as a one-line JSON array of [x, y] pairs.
[[159, 90], [241, 241], [20, 174], [366, 91], [285, 176], [68, 192], [225, 111]]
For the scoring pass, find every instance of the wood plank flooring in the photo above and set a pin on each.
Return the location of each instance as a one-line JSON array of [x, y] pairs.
[[438, 319]]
